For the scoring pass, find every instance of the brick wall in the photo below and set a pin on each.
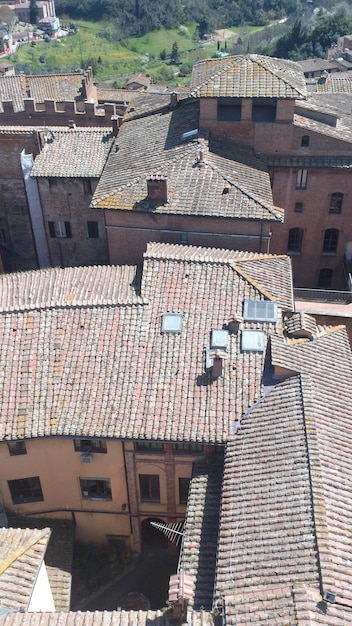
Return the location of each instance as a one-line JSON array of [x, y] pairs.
[[129, 233], [314, 219], [19, 253], [53, 113], [67, 201]]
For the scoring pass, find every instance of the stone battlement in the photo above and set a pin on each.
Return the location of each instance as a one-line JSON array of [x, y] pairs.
[[53, 113]]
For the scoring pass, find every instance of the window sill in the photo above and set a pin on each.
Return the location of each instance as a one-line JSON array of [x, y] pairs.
[[328, 254]]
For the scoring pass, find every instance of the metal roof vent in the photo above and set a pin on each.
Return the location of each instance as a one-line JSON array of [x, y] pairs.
[[259, 311], [253, 341], [329, 596], [171, 323]]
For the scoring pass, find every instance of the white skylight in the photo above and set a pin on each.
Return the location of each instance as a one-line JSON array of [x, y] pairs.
[[260, 311]]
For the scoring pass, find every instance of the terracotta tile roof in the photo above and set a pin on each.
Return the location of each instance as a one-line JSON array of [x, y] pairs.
[[317, 64], [22, 552], [154, 144], [326, 367], [266, 510], [334, 107], [11, 89], [103, 618], [145, 372], [73, 153], [68, 287], [199, 547], [58, 556], [57, 87], [301, 324], [250, 76]]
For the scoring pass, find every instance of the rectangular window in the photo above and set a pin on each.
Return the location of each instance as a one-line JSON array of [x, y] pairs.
[[188, 447], [17, 447], [263, 110], [60, 229], [229, 109], [26, 490], [53, 186], [149, 488], [298, 207], [93, 230], [87, 186], [183, 487], [95, 488], [301, 180], [336, 203], [149, 446], [90, 445]]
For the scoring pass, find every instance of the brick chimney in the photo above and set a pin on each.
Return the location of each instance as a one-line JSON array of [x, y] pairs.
[[157, 187]]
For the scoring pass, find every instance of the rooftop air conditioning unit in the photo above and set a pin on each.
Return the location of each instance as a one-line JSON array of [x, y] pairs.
[[86, 458]]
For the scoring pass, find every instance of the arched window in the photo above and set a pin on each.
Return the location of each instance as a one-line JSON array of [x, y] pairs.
[[336, 202], [295, 237], [331, 239]]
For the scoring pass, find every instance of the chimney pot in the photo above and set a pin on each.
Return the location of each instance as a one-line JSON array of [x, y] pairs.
[[157, 187]]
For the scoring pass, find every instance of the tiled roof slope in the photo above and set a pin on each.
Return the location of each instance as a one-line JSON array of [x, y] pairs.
[[21, 555], [58, 556], [338, 105], [250, 76], [196, 184], [74, 153], [199, 547], [103, 618], [11, 89], [266, 508], [108, 370], [68, 287], [57, 87], [326, 367]]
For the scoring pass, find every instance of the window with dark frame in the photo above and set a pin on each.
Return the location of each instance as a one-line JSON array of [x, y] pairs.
[[301, 179], [149, 487], [295, 238], [90, 445], [331, 238], [229, 109], [53, 186], [183, 488], [87, 186], [264, 110], [93, 230], [95, 488], [188, 447], [325, 278], [149, 446], [25, 490], [298, 207], [336, 202], [17, 447], [60, 229], [305, 141]]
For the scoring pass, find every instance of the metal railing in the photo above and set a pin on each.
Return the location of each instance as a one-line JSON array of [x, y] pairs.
[[323, 295]]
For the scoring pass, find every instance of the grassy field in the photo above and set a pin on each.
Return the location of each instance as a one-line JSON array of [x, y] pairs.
[[114, 62]]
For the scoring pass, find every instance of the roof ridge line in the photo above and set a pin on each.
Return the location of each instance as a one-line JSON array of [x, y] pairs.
[[241, 189], [18, 552], [252, 281], [284, 80]]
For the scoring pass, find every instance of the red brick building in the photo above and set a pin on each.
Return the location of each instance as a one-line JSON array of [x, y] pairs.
[[263, 104]]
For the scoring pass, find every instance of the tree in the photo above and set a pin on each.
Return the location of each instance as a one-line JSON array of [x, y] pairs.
[[33, 11], [162, 55], [175, 57]]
